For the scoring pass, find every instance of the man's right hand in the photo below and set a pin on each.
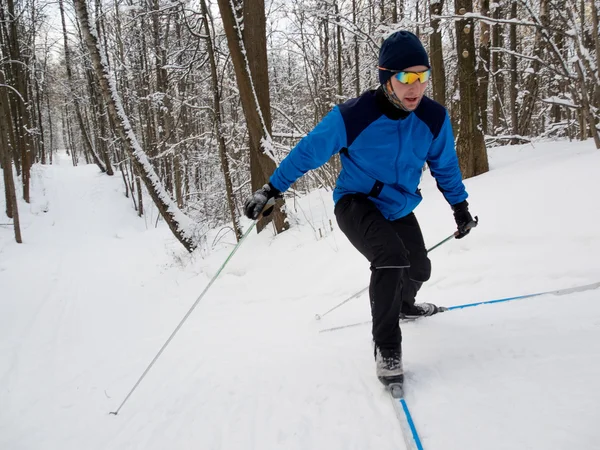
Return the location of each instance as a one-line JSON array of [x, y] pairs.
[[257, 201]]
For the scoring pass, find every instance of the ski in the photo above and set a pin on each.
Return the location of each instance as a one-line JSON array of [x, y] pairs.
[[396, 390], [565, 291], [409, 318], [357, 294], [365, 322], [407, 424]]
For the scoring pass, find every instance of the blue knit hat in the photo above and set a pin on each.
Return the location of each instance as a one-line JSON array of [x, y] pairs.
[[401, 50]]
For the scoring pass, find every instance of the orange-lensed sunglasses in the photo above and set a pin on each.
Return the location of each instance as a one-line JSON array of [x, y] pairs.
[[409, 77]]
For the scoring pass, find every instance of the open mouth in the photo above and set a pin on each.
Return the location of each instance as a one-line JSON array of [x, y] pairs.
[[411, 99]]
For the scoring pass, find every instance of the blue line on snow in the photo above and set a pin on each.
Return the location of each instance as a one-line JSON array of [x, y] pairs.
[[411, 424]]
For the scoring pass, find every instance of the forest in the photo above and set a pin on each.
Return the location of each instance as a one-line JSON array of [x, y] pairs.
[[194, 103]]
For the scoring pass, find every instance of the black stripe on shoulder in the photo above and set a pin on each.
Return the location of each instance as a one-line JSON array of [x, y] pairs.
[[432, 113], [358, 113]]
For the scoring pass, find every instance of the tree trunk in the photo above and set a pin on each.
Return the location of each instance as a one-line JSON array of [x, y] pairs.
[[338, 29], [36, 92], [249, 58], [531, 83], [86, 138], [436, 54], [11, 195], [497, 75], [417, 28], [50, 128], [164, 134], [325, 95], [514, 119], [219, 125], [99, 119], [12, 209], [587, 115], [38, 101], [140, 194], [483, 72], [470, 143], [596, 34], [175, 219], [65, 129], [356, 50], [18, 70]]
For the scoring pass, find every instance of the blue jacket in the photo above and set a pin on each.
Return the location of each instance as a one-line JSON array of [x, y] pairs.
[[383, 150]]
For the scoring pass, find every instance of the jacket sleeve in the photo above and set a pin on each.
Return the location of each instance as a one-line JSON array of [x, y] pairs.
[[314, 150], [443, 162]]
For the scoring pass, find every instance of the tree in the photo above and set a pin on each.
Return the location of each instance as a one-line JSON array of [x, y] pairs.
[[513, 87], [483, 66], [249, 58], [436, 53], [12, 209], [219, 123], [84, 131], [472, 154], [17, 76], [497, 68]]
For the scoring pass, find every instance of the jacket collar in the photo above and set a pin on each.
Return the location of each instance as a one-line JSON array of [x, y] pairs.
[[387, 108]]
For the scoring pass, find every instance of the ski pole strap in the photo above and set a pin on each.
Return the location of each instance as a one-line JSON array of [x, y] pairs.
[[473, 223]]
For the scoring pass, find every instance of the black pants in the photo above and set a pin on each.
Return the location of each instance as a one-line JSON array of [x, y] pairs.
[[399, 262]]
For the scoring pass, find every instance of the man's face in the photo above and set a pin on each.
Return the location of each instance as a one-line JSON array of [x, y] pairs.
[[410, 94]]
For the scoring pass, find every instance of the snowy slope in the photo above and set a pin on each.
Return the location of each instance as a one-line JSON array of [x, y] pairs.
[[94, 292]]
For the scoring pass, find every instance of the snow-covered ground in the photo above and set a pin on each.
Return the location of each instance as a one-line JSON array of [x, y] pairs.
[[94, 292]]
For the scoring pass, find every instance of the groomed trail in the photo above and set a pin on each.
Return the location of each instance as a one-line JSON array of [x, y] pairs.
[[93, 293]]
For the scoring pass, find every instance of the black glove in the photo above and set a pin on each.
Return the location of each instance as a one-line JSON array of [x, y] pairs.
[[256, 202], [464, 220]]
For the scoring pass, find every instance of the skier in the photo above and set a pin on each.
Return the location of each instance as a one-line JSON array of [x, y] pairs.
[[384, 138]]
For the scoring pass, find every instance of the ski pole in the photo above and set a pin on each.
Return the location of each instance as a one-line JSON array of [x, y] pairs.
[[212, 280], [453, 235]]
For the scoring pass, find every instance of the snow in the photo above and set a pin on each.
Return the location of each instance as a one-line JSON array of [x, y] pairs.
[[560, 101], [94, 292]]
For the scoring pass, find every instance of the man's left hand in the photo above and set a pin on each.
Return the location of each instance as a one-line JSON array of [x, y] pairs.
[[464, 220]]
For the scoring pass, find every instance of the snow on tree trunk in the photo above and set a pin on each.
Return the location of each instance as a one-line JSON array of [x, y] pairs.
[[219, 124], [177, 221], [497, 69], [249, 58], [86, 137]]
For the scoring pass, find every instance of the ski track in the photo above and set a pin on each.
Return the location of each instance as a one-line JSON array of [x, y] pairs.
[[92, 295]]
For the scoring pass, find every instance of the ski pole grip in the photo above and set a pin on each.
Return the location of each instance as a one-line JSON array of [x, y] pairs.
[[268, 209], [472, 224]]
